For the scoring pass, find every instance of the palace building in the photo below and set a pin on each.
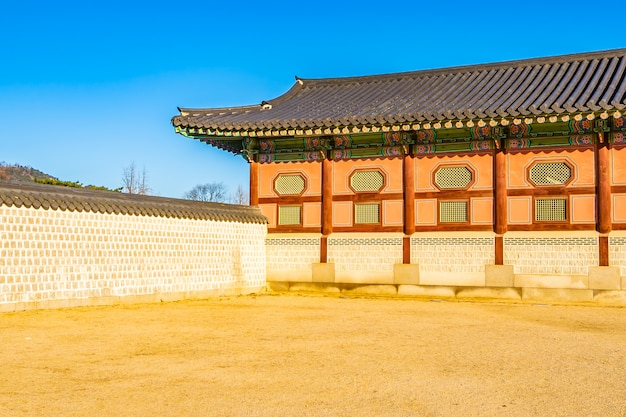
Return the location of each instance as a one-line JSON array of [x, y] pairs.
[[503, 179]]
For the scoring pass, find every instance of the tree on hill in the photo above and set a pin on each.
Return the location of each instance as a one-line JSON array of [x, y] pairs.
[[24, 173], [17, 172]]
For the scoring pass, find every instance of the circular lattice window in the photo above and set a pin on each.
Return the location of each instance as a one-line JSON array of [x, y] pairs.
[[289, 184], [550, 173], [364, 181], [453, 178]]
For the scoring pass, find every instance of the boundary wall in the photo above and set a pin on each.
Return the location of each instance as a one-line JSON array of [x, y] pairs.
[[62, 247], [538, 266]]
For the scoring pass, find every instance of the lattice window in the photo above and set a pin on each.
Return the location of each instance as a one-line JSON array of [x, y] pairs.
[[291, 184], [550, 173], [550, 209], [450, 178], [289, 215], [362, 181], [453, 211], [366, 213]]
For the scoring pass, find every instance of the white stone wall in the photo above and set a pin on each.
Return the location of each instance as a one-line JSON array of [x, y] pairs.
[[617, 250], [289, 257], [452, 258], [364, 257], [47, 256], [551, 253]]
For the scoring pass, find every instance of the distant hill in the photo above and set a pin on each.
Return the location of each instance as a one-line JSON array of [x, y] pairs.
[[18, 172]]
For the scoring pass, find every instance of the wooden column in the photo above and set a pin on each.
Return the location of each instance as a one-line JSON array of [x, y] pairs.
[[408, 184], [327, 207], [603, 199], [254, 183], [604, 189], [499, 202]]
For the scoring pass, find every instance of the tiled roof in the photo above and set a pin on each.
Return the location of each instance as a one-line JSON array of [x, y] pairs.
[[579, 83], [56, 197]]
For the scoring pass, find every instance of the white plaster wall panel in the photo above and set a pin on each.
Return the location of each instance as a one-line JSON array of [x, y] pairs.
[[551, 253], [293, 253], [453, 260], [617, 251], [369, 255]]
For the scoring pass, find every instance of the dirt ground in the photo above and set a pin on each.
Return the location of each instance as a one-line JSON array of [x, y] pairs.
[[289, 355]]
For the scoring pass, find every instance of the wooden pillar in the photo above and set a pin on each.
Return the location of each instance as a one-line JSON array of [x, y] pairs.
[[408, 181], [500, 203], [327, 207], [408, 184], [254, 183], [603, 199]]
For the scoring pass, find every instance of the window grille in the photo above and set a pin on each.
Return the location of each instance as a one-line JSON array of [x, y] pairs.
[[453, 211], [453, 177], [550, 173], [289, 215], [366, 213], [550, 209], [292, 184], [367, 181]]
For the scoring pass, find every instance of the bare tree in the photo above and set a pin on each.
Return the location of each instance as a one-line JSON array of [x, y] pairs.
[[240, 197], [134, 181], [214, 191]]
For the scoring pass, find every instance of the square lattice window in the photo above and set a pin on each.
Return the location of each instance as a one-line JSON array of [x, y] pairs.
[[289, 215], [550, 210], [453, 211], [366, 213]]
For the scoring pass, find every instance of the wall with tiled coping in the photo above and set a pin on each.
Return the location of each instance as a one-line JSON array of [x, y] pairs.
[[538, 265], [61, 258]]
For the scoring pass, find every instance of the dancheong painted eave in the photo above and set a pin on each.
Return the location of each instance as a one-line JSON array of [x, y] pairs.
[[541, 90]]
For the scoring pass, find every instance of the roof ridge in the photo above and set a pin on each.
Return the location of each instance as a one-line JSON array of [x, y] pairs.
[[553, 59]]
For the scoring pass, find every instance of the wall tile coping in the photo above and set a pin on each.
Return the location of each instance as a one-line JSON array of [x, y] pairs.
[[56, 197]]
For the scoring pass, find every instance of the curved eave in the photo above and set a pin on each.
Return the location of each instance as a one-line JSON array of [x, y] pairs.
[[582, 85], [206, 135]]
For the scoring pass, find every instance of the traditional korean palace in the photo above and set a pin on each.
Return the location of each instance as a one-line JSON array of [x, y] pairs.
[[498, 180]]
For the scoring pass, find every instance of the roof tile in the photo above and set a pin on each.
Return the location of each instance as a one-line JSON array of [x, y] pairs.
[[56, 197], [570, 83]]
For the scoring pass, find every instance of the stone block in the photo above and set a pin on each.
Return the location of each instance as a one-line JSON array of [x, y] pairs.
[[452, 279], [610, 297], [551, 281], [370, 290], [364, 277], [499, 276], [426, 291], [289, 275], [604, 278], [499, 293], [557, 294], [406, 274], [329, 288], [323, 272], [278, 286]]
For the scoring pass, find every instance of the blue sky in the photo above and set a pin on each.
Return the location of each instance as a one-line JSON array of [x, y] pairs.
[[88, 88]]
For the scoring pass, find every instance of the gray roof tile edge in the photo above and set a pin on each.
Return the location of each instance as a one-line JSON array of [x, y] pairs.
[[222, 119], [55, 197]]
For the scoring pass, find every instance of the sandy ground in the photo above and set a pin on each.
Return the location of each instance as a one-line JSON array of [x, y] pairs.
[[288, 355]]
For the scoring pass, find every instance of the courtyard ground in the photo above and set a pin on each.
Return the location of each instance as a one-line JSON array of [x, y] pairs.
[[291, 355]]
